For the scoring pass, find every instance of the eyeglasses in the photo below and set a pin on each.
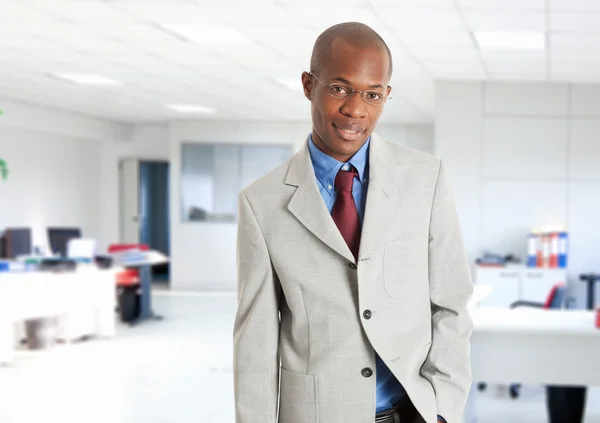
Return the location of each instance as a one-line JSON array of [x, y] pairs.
[[345, 91]]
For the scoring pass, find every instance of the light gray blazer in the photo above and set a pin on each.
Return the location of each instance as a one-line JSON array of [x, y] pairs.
[[301, 340]]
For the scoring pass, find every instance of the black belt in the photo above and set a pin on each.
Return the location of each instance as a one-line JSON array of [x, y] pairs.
[[403, 412], [391, 417]]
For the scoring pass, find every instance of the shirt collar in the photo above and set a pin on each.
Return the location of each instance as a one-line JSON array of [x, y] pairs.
[[326, 167]]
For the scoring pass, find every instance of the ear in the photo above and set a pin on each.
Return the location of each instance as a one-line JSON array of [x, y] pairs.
[[307, 84], [388, 91]]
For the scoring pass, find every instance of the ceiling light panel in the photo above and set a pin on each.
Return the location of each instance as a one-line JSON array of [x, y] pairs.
[[505, 21], [191, 108], [514, 54], [252, 16], [420, 19], [87, 79]]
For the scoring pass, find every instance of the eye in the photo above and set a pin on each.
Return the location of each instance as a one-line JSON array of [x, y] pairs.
[[339, 90], [374, 96]]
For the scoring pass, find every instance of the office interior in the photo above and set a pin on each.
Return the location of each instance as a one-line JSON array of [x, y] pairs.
[[136, 123]]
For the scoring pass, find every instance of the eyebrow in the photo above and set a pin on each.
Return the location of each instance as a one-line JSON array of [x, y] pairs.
[[345, 81]]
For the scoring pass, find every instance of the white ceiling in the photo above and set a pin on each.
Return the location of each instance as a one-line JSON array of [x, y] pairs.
[[125, 40]]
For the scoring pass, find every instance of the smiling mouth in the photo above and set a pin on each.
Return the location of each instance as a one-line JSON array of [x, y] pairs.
[[348, 134]]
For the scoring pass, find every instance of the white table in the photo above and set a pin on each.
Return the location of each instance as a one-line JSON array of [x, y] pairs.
[[82, 301], [533, 346]]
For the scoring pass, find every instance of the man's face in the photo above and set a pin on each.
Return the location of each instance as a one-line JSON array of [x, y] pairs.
[[342, 125]]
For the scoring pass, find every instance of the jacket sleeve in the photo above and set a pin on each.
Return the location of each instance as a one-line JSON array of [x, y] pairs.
[[448, 365], [256, 326]]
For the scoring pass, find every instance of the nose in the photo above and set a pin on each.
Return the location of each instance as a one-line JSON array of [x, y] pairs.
[[354, 107]]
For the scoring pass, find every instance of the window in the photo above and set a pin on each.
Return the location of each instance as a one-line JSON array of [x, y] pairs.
[[212, 176]]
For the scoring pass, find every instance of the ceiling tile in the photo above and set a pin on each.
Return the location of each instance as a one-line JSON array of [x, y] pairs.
[[441, 66], [576, 22], [577, 55], [136, 34], [273, 35], [274, 16], [329, 16], [416, 4], [566, 41], [516, 66], [575, 5], [420, 19], [503, 4], [166, 14], [350, 3], [84, 11], [417, 38], [505, 21], [443, 52], [15, 13]]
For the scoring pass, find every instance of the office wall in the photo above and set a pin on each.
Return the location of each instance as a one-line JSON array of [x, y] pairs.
[[203, 254], [55, 168], [523, 156], [53, 181]]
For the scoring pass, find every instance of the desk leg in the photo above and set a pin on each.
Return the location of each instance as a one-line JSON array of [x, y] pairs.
[[470, 415], [7, 342], [146, 311]]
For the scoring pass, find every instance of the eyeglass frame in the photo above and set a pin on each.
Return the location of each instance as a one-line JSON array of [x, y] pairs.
[[353, 91]]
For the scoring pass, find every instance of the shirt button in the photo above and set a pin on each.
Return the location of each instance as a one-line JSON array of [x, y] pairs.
[[367, 372], [345, 167], [352, 266], [329, 187], [367, 314]]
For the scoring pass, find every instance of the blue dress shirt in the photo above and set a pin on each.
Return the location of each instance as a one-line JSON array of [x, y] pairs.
[[389, 390]]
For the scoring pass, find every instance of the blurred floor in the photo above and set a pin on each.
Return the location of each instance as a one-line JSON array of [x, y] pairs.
[[174, 371]]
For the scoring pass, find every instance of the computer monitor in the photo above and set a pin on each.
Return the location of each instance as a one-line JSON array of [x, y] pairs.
[[60, 237]]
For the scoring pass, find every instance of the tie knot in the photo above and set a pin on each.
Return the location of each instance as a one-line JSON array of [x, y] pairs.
[[345, 179]]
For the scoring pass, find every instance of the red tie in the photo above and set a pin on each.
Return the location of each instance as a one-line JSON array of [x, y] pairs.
[[344, 211]]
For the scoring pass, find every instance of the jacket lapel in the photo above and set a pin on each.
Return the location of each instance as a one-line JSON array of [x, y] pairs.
[[308, 206], [383, 194]]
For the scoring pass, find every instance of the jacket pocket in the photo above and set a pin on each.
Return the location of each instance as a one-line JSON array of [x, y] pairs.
[[297, 398], [405, 267]]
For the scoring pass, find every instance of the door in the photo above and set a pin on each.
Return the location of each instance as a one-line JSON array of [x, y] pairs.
[[130, 201]]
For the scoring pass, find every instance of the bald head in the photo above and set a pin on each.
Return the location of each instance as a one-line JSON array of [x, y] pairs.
[[356, 34]]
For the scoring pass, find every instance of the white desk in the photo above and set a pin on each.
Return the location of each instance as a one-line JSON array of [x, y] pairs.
[[533, 346], [83, 301]]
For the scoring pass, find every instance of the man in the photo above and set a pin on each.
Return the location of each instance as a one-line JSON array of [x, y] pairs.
[[353, 282]]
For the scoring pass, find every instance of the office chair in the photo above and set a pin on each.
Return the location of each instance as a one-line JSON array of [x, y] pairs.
[[556, 299]]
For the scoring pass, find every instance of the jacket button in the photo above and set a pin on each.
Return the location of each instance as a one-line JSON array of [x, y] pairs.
[[352, 266], [367, 314], [367, 372]]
